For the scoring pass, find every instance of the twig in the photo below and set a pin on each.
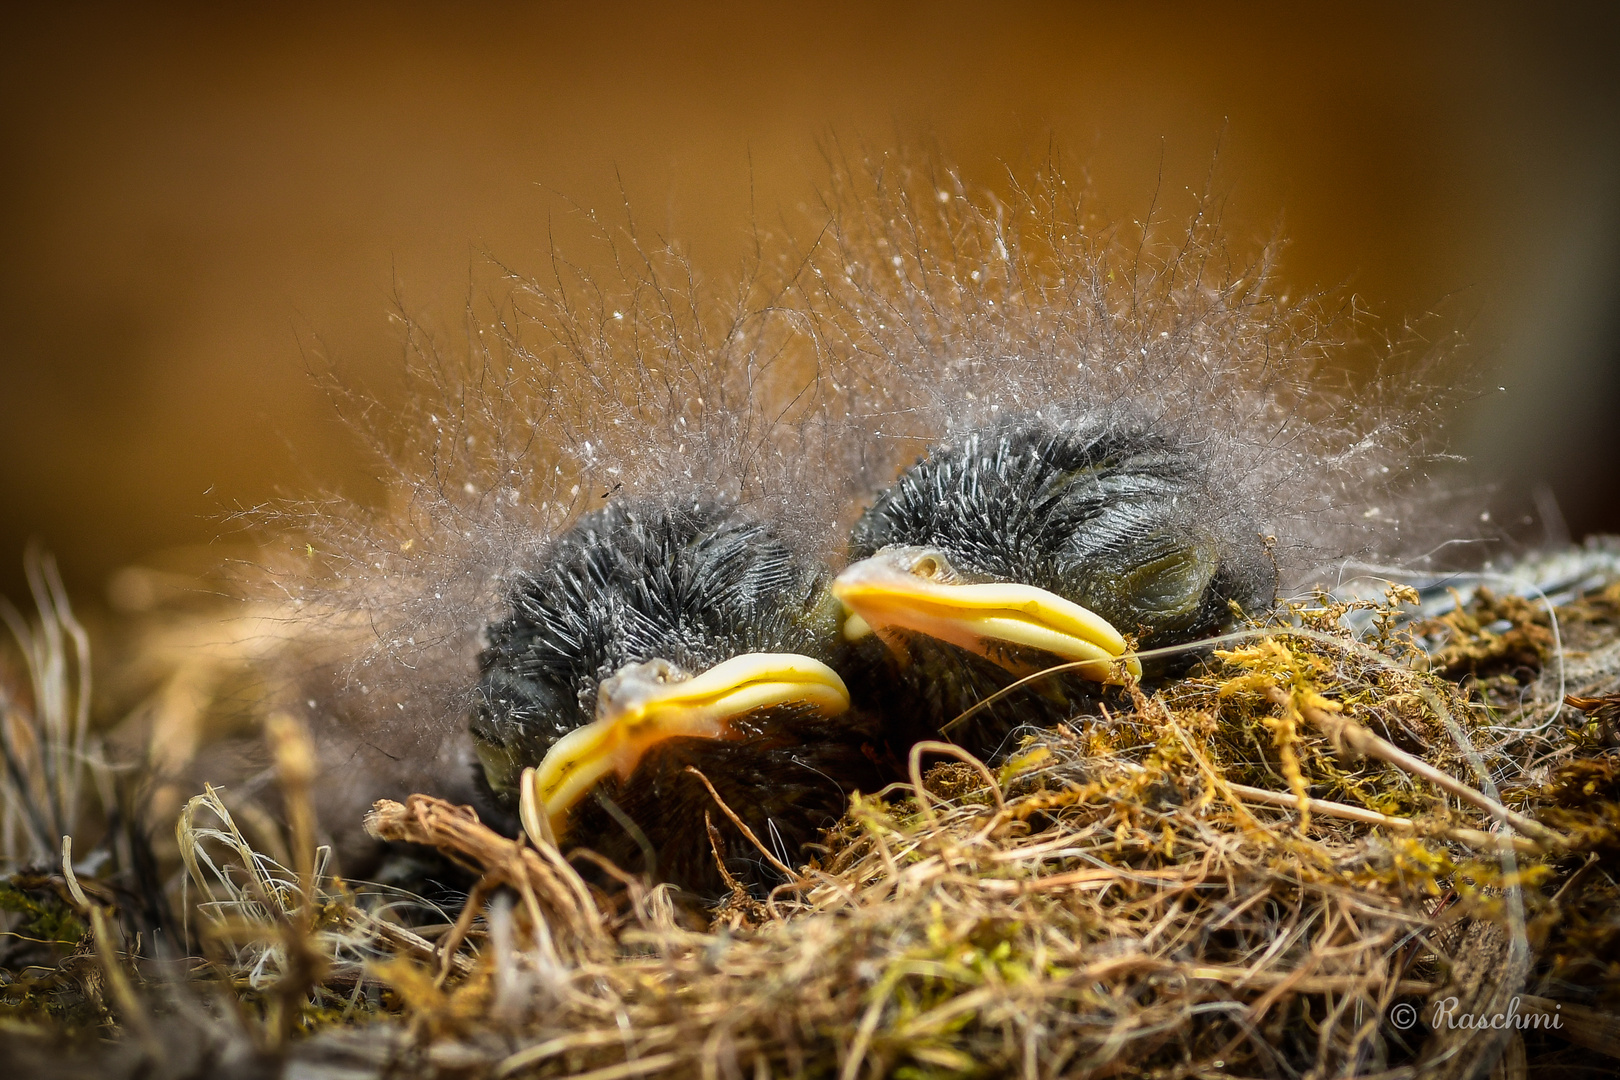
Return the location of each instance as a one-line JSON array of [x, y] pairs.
[[295, 768], [456, 830], [1474, 838], [101, 933], [1581, 1025], [408, 941], [934, 746], [1306, 984], [1346, 732], [737, 821]]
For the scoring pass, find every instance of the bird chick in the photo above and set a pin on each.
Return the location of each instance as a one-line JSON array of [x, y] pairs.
[[539, 476], [1031, 543], [1105, 419], [658, 636]]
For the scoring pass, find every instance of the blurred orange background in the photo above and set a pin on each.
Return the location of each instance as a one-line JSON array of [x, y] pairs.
[[194, 201]]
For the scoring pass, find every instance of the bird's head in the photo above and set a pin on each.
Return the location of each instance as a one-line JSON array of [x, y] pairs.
[[644, 706], [647, 627], [1033, 542]]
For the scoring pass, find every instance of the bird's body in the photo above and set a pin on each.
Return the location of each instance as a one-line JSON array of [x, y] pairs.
[[651, 594], [1114, 516]]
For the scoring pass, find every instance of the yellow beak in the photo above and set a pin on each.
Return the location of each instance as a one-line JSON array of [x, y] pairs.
[[892, 590], [642, 705]]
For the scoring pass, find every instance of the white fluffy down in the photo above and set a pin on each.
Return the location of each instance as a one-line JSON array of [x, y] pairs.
[[923, 307]]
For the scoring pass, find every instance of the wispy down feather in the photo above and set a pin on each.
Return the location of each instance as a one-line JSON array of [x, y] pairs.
[[942, 308], [922, 308], [617, 377]]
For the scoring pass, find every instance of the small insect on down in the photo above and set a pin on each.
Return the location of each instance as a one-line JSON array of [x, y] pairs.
[[655, 638]]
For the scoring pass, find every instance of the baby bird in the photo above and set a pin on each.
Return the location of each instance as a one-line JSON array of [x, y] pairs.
[[1108, 420], [1036, 542], [657, 636]]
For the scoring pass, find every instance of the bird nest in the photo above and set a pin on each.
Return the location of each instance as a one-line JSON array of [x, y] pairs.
[[1325, 851]]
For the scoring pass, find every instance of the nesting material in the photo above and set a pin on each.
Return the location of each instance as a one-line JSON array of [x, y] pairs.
[[1252, 871], [1364, 837]]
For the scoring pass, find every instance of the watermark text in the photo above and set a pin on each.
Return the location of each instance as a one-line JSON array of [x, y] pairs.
[[1448, 1015]]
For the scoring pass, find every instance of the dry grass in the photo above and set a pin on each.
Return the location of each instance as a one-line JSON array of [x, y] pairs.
[[51, 760], [1248, 872]]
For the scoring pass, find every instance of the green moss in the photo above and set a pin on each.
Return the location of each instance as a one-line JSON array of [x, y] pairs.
[[46, 917]]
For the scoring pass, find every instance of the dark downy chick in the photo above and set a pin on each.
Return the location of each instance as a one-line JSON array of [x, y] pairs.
[[1031, 543], [657, 636], [540, 478], [1109, 425]]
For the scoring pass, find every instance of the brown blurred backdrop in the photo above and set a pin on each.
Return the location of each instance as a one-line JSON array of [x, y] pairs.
[[193, 201]]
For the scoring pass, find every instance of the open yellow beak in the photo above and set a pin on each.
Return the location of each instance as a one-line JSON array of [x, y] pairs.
[[642, 705], [897, 590]]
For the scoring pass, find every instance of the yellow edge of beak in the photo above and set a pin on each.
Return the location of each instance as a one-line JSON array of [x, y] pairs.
[[881, 595], [700, 707]]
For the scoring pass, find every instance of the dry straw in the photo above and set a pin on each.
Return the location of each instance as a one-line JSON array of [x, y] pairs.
[[1143, 893], [1339, 814]]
